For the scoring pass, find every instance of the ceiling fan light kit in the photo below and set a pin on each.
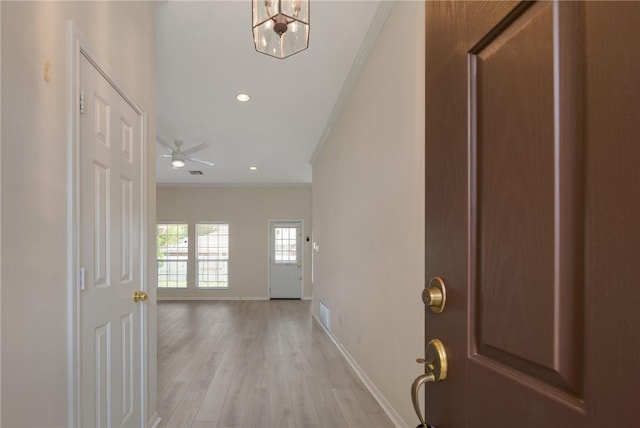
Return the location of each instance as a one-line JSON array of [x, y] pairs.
[[177, 160], [243, 98], [179, 156], [280, 27]]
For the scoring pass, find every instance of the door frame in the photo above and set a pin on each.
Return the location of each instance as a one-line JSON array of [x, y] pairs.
[[270, 225], [78, 47]]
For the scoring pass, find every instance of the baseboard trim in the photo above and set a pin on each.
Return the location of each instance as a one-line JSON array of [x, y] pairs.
[[386, 406], [172, 297], [207, 297], [155, 420]]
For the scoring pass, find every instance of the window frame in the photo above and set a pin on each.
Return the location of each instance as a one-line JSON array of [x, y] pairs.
[[186, 261], [198, 258], [288, 241]]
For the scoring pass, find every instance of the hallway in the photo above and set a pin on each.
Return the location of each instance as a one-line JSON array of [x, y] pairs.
[[255, 364]]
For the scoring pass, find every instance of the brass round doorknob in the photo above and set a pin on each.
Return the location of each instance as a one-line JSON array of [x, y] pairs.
[[140, 296], [435, 295]]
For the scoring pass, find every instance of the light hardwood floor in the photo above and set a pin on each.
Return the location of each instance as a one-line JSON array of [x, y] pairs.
[[255, 364]]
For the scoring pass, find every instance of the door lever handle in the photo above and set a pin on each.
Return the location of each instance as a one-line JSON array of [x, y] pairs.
[[436, 370], [415, 391]]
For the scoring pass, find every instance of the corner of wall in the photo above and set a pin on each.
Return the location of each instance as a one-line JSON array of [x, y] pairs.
[[368, 214], [369, 41]]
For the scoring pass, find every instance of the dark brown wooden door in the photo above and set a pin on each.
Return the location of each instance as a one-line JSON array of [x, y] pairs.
[[533, 212]]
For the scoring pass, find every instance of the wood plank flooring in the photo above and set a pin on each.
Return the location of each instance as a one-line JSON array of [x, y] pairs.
[[255, 364]]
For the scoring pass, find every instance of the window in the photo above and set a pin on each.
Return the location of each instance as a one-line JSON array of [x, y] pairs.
[[212, 255], [286, 244], [173, 255]]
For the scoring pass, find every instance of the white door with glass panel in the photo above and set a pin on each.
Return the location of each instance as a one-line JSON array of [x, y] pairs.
[[286, 260]]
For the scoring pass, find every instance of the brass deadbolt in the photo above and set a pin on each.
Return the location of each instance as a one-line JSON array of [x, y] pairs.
[[435, 295]]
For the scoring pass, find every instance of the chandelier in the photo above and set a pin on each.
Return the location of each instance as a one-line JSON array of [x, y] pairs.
[[280, 27]]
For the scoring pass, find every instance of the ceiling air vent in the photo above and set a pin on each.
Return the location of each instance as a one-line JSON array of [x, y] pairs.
[[192, 172]]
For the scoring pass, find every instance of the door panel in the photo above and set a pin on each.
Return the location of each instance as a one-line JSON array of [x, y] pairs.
[[514, 168], [523, 258], [533, 208], [110, 254]]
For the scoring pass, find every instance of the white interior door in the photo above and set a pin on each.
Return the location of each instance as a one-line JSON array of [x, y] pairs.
[[110, 255], [286, 260]]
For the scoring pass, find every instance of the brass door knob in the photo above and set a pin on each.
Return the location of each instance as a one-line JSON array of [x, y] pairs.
[[435, 295], [436, 370], [140, 296]]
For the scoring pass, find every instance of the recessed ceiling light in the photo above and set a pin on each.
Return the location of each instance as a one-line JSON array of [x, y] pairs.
[[253, 168], [243, 98]]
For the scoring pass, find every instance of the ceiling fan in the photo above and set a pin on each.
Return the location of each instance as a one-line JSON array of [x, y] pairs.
[[179, 156]]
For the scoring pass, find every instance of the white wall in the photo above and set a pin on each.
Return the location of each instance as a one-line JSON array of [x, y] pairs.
[[248, 211], [34, 166], [368, 212]]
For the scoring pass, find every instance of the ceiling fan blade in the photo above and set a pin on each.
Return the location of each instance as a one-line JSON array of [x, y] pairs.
[[195, 149], [164, 143], [202, 161]]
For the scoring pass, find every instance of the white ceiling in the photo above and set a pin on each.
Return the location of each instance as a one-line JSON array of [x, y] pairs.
[[205, 56]]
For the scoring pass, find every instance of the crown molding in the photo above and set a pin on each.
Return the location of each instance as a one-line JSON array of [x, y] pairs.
[[369, 41]]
